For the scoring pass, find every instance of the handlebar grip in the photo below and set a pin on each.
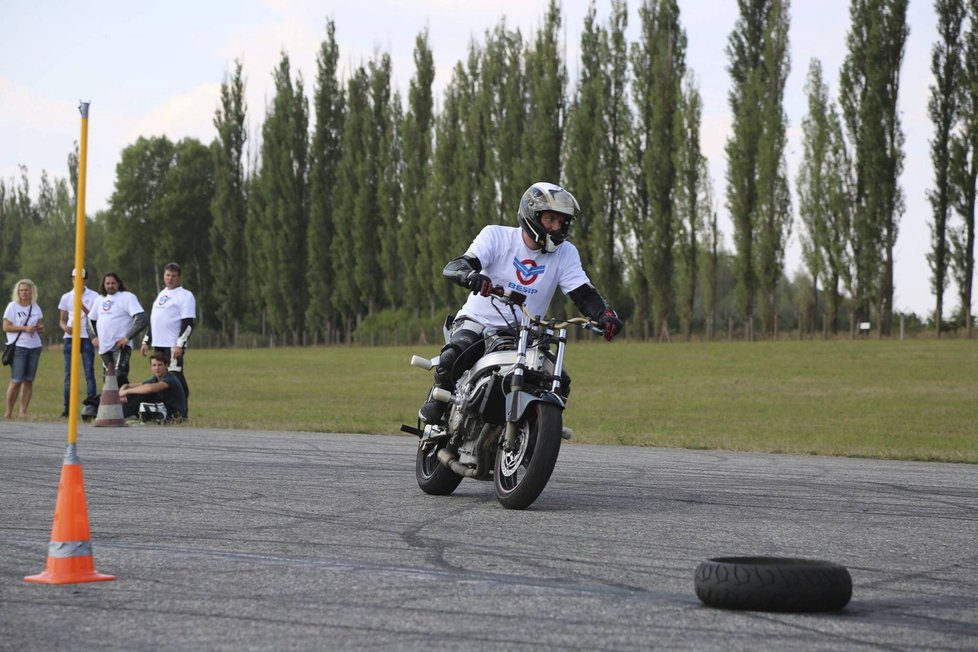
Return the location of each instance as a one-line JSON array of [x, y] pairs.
[[515, 298]]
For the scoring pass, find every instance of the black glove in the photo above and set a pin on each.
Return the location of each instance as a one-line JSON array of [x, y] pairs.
[[479, 283], [610, 323]]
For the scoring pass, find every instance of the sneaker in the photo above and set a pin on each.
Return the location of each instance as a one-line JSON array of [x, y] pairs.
[[433, 411], [64, 415]]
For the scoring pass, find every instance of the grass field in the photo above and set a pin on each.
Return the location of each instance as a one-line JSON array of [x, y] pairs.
[[914, 399]]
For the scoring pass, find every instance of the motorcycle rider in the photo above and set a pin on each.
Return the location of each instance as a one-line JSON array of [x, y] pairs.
[[533, 259]]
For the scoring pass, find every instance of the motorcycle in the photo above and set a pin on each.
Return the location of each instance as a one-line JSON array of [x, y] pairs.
[[505, 417]]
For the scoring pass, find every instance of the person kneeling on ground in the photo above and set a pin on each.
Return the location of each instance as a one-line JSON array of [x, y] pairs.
[[159, 398]]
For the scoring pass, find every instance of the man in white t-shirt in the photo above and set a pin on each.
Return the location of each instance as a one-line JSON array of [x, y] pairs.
[[117, 319], [171, 322], [67, 308], [534, 259]]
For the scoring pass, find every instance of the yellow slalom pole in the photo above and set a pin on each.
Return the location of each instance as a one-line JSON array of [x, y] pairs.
[[73, 410], [70, 558]]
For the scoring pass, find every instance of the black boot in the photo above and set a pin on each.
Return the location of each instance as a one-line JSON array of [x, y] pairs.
[[433, 410]]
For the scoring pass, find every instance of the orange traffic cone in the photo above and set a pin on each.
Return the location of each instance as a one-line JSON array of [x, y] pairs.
[[70, 550], [110, 407]]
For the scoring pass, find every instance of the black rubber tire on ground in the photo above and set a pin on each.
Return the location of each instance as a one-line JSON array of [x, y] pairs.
[[520, 476], [773, 584], [434, 478]]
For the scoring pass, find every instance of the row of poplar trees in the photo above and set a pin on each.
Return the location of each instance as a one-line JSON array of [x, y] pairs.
[[348, 203], [849, 197], [953, 110], [364, 217]]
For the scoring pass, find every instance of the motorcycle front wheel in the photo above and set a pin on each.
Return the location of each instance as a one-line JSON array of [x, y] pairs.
[[521, 474], [433, 477]]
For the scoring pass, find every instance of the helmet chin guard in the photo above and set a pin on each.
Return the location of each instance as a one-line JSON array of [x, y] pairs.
[[544, 197]]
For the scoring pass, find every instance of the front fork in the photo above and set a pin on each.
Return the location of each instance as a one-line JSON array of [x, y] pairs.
[[516, 386]]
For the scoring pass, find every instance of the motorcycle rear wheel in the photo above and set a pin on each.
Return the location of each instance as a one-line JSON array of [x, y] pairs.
[[433, 477], [520, 475]]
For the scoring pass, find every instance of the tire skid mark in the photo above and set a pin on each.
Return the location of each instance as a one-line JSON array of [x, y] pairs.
[[451, 575]]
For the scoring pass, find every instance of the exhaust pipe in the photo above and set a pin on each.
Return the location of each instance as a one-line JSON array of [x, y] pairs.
[[450, 460]]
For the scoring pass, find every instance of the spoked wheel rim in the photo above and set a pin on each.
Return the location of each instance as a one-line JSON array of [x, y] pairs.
[[429, 461], [513, 464], [512, 461], [432, 476], [522, 473]]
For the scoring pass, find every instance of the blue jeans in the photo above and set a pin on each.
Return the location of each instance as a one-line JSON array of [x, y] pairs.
[[24, 366], [88, 364]]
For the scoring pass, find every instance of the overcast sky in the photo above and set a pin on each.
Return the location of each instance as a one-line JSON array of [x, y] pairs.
[[155, 68]]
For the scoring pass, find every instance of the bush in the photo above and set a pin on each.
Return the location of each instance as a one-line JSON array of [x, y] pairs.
[[394, 327]]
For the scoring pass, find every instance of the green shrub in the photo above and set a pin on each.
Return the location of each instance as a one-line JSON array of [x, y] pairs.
[[396, 327]]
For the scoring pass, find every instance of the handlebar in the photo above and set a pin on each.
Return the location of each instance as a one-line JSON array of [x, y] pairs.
[[518, 299], [586, 324]]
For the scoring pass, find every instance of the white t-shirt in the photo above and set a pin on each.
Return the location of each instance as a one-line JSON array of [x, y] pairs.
[[170, 307], [16, 314], [114, 313], [67, 303], [510, 263]]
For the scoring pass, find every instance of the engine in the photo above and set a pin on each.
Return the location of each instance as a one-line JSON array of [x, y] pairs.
[[463, 418], [464, 414]]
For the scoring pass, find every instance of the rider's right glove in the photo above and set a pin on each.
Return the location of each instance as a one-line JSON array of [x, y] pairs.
[[479, 283], [610, 323]]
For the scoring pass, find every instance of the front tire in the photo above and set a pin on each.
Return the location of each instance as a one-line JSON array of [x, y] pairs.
[[521, 474], [433, 477]]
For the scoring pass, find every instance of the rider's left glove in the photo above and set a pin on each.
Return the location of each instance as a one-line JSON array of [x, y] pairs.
[[610, 323]]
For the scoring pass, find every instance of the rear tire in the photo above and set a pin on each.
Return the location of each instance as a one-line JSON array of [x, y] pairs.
[[773, 584], [521, 474], [434, 478]]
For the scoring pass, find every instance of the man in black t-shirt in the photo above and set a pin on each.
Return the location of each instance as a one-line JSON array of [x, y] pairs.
[[163, 389]]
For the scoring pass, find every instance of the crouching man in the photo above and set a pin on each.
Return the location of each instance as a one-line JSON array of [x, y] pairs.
[[158, 399]]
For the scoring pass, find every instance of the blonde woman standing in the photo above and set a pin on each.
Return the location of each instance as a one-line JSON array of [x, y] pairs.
[[23, 323]]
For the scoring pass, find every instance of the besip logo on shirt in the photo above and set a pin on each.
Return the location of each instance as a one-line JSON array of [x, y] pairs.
[[163, 299], [107, 305], [527, 271]]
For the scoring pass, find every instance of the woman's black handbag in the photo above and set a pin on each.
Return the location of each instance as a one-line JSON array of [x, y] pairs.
[[8, 351]]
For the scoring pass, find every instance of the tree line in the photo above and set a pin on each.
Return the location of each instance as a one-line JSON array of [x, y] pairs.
[[338, 214]]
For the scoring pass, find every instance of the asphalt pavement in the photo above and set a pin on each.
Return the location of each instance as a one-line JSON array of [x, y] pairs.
[[239, 540]]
